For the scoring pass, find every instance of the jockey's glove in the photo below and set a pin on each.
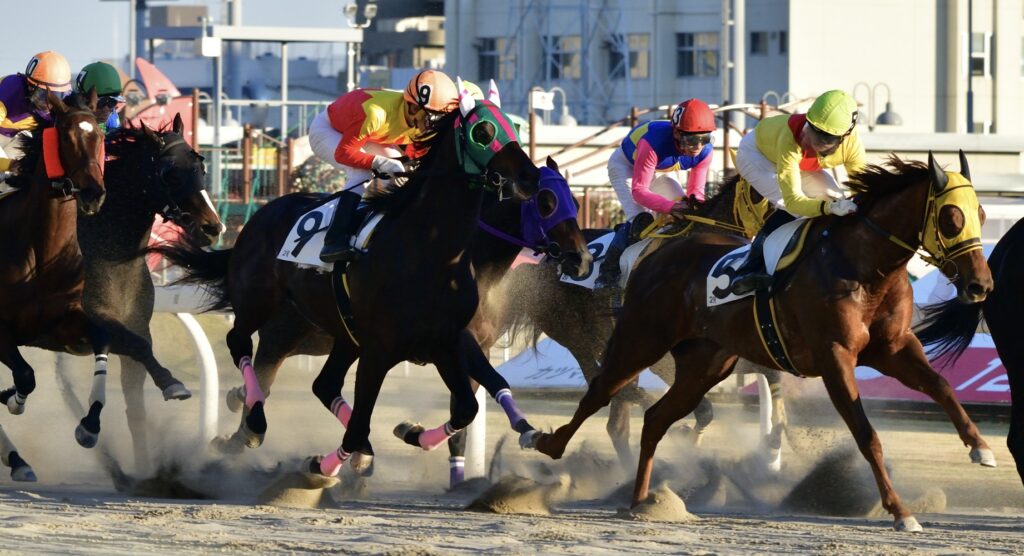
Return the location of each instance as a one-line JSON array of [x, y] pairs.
[[385, 165], [842, 207]]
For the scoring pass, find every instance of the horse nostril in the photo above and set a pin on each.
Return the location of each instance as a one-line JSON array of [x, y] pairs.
[[976, 289]]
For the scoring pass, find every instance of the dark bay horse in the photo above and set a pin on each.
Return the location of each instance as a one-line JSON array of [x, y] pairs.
[[951, 326], [848, 301], [543, 224], [581, 320], [41, 264], [412, 295]]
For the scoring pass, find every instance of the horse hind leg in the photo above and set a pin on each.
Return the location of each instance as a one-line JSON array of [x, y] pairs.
[[133, 379], [21, 471], [24, 377]]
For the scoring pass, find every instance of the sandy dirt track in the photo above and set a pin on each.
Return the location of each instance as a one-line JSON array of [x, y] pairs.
[[404, 509]]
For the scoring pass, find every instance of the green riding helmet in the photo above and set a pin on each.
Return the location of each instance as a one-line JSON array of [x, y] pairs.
[[834, 112], [100, 76]]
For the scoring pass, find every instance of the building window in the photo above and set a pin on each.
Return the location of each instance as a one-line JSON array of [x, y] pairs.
[[981, 55], [562, 57], [783, 42], [759, 43], [697, 54], [638, 48], [496, 59]]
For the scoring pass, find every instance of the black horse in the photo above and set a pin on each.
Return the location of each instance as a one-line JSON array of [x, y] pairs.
[[506, 228], [951, 325], [410, 298]]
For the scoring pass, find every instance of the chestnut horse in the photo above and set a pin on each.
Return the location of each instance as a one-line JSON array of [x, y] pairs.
[[847, 301]]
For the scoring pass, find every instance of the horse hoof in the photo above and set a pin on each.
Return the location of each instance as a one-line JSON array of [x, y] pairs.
[[236, 399], [774, 460], [249, 438], [528, 440], [85, 438], [362, 464], [228, 445], [254, 426], [409, 432], [542, 442], [21, 471], [984, 456], [13, 406], [907, 524], [177, 391], [310, 469], [698, 436]]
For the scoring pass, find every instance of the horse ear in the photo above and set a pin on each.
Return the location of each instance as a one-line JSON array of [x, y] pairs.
[[178, 126], [965, 170], [492, 94], [466, 100], [939, 178], [149, 133], [552, 164], [56, 104], [93, 99]]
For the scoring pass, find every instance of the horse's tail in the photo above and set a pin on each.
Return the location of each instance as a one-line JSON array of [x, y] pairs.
[[520, 325], [949, 326], [208, 269]]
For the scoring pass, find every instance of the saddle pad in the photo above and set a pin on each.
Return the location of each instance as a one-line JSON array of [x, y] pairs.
[[776, 245], [597, 249], [306, 238]]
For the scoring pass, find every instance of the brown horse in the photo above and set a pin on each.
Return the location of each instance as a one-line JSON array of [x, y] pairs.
[[41, 265], [847, 301], [580, 319]]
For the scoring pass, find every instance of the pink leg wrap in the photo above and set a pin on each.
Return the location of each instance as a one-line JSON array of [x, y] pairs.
[[341, 410], [331, 464], [430, 439], [253, 392]]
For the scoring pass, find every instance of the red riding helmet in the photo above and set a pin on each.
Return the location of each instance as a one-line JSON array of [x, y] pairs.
[[693, 116]]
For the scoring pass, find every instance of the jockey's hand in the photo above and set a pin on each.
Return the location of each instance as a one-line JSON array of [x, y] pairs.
[[842, 207], [389, 166], [679, 210]]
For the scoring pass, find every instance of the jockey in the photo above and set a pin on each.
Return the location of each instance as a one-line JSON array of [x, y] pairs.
[[684, 143], [359, 133], [105, 79], [785, 159], [23, 102]]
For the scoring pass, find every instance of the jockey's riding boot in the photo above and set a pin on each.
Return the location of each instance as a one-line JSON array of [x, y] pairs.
[[338, 241], [637, 226], [752, 274], [610, 274]]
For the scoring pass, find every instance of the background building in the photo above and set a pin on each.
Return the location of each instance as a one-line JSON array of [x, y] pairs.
[[608, 55]]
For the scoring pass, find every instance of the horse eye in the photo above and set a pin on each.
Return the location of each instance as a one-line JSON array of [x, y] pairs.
[[483, 133], [951, 221], [547, 203]]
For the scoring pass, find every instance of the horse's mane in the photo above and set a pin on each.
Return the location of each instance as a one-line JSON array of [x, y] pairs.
[[32, 146], [397, 199], [877, 181]]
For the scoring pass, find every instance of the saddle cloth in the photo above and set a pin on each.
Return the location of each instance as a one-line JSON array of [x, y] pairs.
[[781, 249], [597, 249], [306, 238]]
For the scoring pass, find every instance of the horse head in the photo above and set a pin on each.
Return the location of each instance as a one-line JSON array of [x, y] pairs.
[[78, 142], [181, 195], [952, 231], [487, 145], [549, 221]]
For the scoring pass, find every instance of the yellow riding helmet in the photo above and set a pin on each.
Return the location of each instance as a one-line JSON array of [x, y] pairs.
[[49, 70], [834, 112], [473, 89], [432, 90]]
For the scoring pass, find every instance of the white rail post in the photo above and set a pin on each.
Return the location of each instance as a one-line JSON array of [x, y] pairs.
[[476, 438], [209, 385]]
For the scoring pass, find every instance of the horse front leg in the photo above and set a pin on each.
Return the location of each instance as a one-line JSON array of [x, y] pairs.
[[838, 377], [88, 431], [127, 342], [22, 373], [905, 361]]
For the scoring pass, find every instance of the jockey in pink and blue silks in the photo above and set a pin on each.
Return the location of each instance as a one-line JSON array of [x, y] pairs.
[[682, 143]]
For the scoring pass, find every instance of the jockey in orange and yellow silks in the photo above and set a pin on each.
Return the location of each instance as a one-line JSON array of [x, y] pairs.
[[23, 101], [785, 159], [368, 130]]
